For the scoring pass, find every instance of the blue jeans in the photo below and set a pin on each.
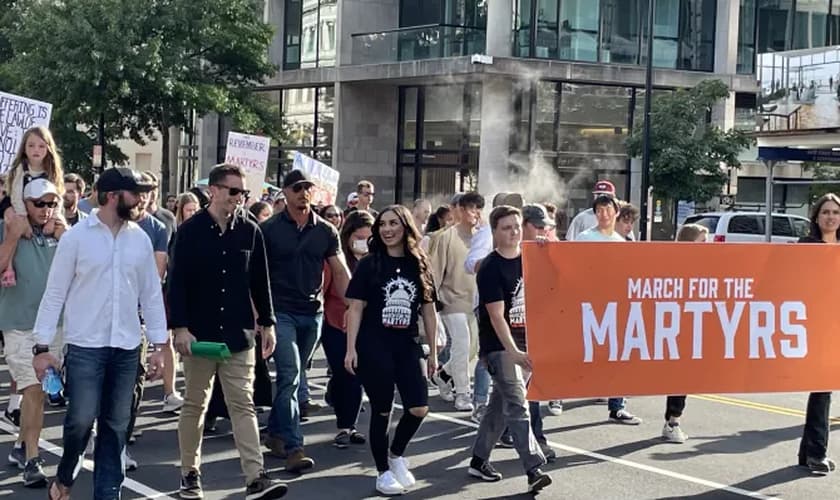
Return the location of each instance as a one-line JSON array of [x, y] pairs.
[[615, 404], [100, 385], [481, 383], [297, 336], [303, 386]]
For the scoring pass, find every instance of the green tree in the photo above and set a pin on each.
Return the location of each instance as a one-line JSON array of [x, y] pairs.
[[143, 65], [823, 172], [685, 151]]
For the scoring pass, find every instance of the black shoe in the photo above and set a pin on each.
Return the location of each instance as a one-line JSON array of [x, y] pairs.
[[548, 452], [210, 425], [483, 470], [191, 486], [12, 417], [57, 401], [357, 437], [342, 440], [819, 467], [33, 474], [537, 480], [264, 488], [506, 441]]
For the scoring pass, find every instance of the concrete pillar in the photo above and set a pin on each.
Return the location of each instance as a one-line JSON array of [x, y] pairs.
[[726, 37], [207, 139], [365, 141], [496, 121], [499, 28], [273, 15]]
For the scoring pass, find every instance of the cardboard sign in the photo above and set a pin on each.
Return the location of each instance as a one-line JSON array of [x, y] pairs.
[[251, 153], [17, 115], [622, 319], [325, 178]]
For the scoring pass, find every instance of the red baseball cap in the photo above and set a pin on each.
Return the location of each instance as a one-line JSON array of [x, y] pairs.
[[605, 187]]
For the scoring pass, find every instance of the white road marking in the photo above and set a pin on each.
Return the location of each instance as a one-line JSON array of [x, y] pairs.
[[619, 461], [139, 488]]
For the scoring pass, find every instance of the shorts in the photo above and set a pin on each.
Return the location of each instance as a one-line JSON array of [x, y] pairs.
[[19, 355]]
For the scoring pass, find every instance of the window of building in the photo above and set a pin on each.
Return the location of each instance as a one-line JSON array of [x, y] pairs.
[[309, 40], [746, 37], [611, 31], [472, 13], [438, 140], [810, 22]]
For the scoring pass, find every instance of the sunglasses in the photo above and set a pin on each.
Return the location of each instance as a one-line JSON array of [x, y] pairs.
[[42, 204], [235, 191], [297, 188]]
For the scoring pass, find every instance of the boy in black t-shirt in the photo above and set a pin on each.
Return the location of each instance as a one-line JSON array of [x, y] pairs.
[[502, 345]]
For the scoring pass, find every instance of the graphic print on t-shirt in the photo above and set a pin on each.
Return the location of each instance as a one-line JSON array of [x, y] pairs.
[[517, 306], [399, 295]]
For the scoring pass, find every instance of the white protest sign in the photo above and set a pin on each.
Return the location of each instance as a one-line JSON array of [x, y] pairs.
[[17, 115], [251, 153], [324, 177]]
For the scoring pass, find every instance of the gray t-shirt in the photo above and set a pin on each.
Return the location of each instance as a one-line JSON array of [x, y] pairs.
[[592, 234], [168, 219], [19, 304], [156, 231]]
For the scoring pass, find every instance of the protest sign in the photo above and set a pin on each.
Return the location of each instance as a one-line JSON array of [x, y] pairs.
[[627, 319], [325, 178], [17, 114], [251, 153]]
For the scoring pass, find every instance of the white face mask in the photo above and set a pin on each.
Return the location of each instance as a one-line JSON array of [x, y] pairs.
[[360, 247]]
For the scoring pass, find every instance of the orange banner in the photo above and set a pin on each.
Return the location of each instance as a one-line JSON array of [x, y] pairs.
[[623, 319]]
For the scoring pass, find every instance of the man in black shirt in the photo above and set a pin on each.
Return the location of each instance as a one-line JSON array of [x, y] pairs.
[[298, 243], [218, 270], [501, 297]]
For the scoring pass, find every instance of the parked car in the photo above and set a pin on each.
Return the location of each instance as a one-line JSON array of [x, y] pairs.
[[742, 227]]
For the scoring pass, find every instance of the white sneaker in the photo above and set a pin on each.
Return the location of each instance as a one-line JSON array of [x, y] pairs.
[[388, 485], [399, 466], [173, 402], [130, 463], [674, 434], [444, 388], [555, 408], [463, 402], [478, 413]]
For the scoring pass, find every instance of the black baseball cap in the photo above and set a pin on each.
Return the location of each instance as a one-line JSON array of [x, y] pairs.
[[122, 179], [296, 177], [537, 215]]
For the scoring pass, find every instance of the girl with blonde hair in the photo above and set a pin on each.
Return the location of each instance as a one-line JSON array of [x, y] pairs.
[[37, 158]]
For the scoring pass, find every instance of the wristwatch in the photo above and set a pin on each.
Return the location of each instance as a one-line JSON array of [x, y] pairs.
[[40, 349]]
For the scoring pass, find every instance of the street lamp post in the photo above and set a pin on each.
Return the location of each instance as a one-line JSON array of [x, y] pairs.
[[643, 223]]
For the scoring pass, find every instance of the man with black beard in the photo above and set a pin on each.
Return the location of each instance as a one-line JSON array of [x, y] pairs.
[[101, 271]]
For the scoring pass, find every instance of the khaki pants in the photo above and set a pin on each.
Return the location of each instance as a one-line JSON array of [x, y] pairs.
[[237, 379]]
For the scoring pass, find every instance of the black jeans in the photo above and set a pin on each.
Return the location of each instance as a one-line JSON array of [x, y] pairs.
[[817, 420], [345, 388], [674, 407]]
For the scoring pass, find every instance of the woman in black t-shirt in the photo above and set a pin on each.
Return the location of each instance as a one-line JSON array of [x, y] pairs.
[[390, 288], [825, 228]]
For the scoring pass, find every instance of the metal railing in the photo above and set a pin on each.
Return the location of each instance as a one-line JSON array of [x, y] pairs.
[[430, 41]]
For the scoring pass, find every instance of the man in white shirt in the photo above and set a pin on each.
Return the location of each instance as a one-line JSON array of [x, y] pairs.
[[587, 219], [102, 269]]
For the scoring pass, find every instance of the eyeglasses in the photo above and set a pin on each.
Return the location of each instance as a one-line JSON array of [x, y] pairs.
[[235, 191], [42, 204], [297, 188]]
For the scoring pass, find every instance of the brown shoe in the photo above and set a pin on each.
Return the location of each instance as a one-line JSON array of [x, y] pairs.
[[276, 446], [298, 462]]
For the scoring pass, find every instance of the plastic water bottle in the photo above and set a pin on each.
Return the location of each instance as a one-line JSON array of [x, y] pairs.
[[52, 383]]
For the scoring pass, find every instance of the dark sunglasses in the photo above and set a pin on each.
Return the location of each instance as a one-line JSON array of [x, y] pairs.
[[42, 204], [235, 191], [297, 188]]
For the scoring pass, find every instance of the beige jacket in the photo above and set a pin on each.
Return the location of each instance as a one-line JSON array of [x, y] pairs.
[[455, 288]]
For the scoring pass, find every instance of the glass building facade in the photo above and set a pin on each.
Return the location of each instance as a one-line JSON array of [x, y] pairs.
[[613, 31], [309, 33]]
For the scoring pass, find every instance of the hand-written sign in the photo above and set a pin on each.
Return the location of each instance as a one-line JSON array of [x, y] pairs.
[[250, 152], [679, 318], [325, 178], [17, 115]]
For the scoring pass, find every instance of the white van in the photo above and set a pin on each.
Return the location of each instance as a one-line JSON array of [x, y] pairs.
[[742, 227]]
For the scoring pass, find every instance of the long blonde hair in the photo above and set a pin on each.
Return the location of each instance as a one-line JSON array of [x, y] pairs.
[[52, 162], [183, 199]]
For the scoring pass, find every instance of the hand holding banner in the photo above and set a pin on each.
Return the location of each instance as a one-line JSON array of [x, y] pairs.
[[680, 318]]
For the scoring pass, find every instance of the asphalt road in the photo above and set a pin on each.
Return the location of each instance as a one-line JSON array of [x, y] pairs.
[[740, 446]]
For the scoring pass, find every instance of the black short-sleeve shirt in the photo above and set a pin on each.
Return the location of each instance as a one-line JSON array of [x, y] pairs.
[[500, 279], [393, 290], [296, 261]]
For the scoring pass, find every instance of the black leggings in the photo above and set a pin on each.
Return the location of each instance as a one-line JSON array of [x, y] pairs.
[[674, 407], [385, 362]]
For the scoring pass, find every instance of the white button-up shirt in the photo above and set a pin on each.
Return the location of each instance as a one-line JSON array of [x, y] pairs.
[[99, 279]]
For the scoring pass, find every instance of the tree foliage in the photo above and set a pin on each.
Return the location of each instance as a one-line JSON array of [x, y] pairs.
[[823, 172], [142, 64], [685, 151]]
